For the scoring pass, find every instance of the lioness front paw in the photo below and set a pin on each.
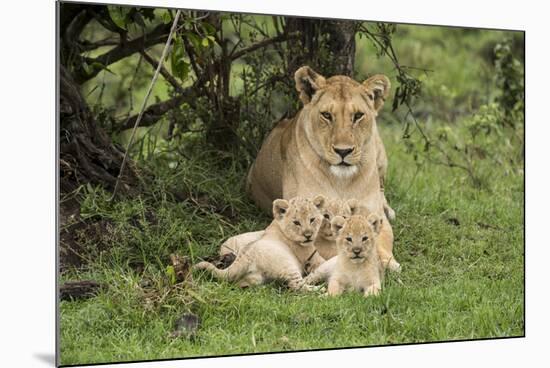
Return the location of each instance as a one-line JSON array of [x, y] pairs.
[[390, 213], [394, 266]]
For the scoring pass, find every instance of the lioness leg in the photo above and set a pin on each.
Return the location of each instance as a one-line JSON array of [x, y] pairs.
[[385, 247], [390, 213]]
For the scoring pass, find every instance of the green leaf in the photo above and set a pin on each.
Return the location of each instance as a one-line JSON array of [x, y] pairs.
[[86, 67], [166, 17], [180, 68], [194, 39], [209, 28], [171, 273], [205, 42], [119, 15]]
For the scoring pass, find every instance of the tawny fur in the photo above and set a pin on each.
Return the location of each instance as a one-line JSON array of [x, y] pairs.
[[325, 241], [283, 251], [298, 158], [357, 266]]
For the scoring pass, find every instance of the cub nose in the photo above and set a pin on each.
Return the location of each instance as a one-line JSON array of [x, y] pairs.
[[308, 234], [343, 152], [356, 250]]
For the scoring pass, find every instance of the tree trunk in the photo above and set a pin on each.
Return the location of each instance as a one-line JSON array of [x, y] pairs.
[[328, 46], [87, 154]]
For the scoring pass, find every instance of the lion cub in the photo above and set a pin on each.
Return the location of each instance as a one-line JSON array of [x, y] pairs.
[[357, 265], [283, 249], [325, 241]]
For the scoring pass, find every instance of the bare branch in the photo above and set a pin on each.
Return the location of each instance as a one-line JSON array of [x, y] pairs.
[[163, 72], [263, 43], [157, 35], [154, 112]]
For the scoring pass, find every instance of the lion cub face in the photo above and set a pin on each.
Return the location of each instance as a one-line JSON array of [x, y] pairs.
[[356, 236], [332, 208], [299, 218]]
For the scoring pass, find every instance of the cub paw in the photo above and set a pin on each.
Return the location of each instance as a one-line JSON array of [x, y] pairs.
[[372, 290]]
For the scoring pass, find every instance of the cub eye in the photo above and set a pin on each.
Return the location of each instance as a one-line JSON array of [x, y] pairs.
[[326, 216], [311, 220], [357, 116], [365, 238], [371, 97], [349, 239], [327, 115], [297, 223]]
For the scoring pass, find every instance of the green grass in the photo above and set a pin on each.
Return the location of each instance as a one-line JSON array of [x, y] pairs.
[[461, 249]]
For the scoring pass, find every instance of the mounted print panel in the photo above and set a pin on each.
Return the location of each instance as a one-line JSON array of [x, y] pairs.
[[235, 183]]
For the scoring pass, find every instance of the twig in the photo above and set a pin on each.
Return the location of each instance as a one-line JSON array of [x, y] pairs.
[[123, 50], [155, 76], [263, 43], [163, 71]]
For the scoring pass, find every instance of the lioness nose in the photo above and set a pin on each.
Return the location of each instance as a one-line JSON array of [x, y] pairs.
[[356, 250], [343, 152]]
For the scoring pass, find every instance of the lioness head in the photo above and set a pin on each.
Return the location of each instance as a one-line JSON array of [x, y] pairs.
[[299, 218], [332, 208], [356, 236], [339, 116]]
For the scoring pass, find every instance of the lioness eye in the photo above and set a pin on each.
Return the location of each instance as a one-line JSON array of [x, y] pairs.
[[311, 220], [327, 115], [348, 239], [357, 116], [326, 216], [365, 238], [297, 223]]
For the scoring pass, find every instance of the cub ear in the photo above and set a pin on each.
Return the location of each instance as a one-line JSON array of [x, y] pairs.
[[379, 85], [307, 83], [337, 224], [319, 201], [353, 205], [375, 221], [280, 206]]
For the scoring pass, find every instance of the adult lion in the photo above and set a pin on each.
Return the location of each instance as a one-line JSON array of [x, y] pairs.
[[331, 147]]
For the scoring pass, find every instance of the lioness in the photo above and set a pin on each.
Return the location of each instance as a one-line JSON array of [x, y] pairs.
[[331, 147], [357, 265], [283, 249]]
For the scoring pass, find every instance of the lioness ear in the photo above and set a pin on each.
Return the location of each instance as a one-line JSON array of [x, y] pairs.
[[353, 205], [307, 83], [337, 224], [379, 85], [279, 208], [319, 201], [375, 221]]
